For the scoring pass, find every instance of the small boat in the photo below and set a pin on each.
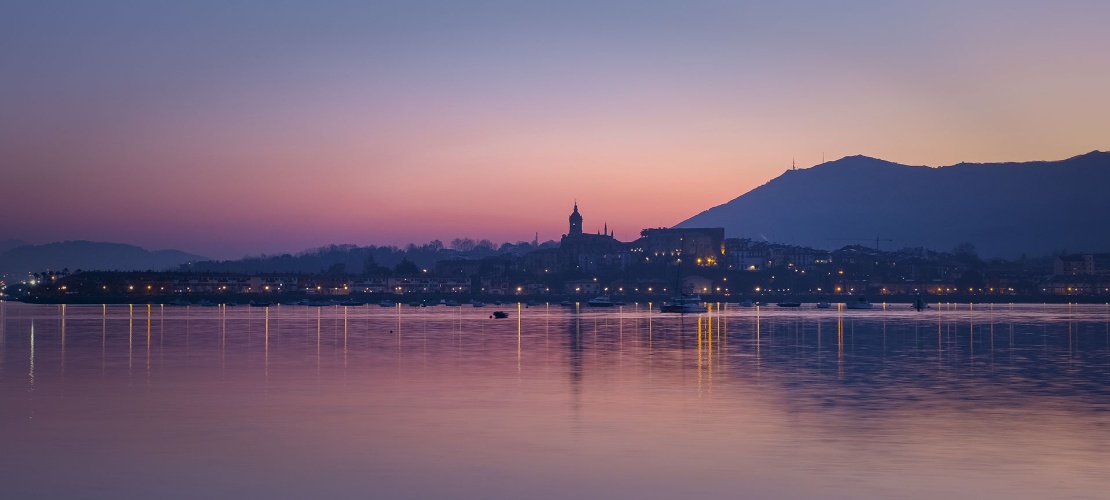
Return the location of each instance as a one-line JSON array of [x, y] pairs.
[[567, 303], [682, 304], [747, 303], [477, 304], [600, 301], [859, 303], [499, 315], [790, 304], [386, 303], [823, 304], [206, 303], [261, 303], [450, 303]]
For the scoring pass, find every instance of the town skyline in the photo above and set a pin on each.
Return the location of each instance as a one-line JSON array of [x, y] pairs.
[[258, 128]]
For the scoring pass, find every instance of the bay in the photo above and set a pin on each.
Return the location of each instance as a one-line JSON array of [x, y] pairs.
[[151, 401]]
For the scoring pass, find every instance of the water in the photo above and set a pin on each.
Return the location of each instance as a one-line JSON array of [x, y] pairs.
[[958, 401]]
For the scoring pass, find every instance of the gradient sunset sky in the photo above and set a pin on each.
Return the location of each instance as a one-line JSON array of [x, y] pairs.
[[227, 128]]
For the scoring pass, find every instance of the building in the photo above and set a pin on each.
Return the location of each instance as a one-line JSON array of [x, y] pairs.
[[581, 252], [1088, 264], [700, 246]]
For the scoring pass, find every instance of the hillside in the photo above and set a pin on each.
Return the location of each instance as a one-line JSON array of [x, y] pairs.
[[88, 255], [1004, 209]]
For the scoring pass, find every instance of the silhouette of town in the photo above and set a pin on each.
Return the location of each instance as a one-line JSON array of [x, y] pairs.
[[661, 263]]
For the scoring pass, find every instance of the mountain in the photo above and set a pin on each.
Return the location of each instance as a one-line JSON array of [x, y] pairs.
[[6, 245], [88, 255], [1003, 209]]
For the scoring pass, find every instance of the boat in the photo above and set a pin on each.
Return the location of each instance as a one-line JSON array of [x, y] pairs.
[[450, 303], [919, 303], [566, 303], [261, 303], [789, 304], [206, 303], [499, 315], [747, 303], [823, 304], [386, 303], [682, 304], [860, 303], [600, 301], [476, 303]]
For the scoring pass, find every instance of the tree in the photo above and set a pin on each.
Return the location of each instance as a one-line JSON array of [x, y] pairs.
[[462, 244], [406, 268], [966, 252]]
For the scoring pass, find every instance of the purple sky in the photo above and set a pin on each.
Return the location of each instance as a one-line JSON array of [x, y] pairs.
[[232, 128]]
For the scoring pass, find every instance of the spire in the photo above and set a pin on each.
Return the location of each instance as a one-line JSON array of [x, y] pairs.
[[606, 228]]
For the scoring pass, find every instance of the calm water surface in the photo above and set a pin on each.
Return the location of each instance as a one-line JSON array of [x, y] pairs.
[[958, 401]]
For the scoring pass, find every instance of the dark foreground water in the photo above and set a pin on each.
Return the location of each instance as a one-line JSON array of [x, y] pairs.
[[369, 402]]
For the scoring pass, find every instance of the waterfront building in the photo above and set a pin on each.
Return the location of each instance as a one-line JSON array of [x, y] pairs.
[[581, 252], [702, 246]]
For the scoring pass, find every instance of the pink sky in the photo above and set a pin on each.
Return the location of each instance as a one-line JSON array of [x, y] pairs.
[[227, 131]]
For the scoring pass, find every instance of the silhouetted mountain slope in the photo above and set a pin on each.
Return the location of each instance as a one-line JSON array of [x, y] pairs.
[[1004, 209], [6, 245], [88, 255]]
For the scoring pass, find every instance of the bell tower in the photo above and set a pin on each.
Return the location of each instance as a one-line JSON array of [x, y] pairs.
[[575, 222]]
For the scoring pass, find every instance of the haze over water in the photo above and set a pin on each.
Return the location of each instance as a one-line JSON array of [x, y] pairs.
[[957, 401]]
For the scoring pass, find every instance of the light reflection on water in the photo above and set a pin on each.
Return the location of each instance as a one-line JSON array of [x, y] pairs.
[[292, 402]]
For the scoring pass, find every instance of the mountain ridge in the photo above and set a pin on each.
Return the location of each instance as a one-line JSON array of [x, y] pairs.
[[1004, 209], [88, 255]]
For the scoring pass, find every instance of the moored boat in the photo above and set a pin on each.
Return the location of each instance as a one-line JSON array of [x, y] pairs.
[[860, 303], [683, 304], [600, 301]]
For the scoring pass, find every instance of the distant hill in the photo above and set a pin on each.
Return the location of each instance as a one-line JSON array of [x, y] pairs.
[[6, 245], [88, 255], [1003, 209]]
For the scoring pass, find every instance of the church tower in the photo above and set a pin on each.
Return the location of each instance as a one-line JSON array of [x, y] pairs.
[[575, 221]]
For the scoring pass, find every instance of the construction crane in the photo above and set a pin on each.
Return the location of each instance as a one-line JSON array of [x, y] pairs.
[[877, 240]]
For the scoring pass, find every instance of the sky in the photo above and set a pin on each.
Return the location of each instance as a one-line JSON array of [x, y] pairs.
[[232, 128]]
